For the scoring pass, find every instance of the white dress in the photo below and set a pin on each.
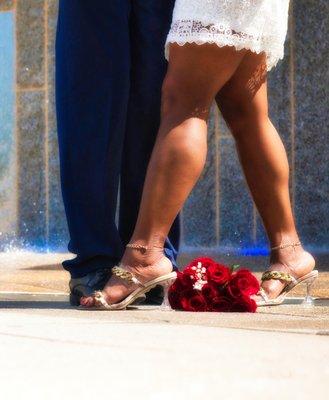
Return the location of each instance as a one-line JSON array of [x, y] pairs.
[[256, 25]]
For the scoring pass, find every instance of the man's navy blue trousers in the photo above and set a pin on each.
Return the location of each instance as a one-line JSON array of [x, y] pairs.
[[109, 71]]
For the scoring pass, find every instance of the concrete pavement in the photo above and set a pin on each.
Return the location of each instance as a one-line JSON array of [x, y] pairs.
[[68, 354], [49, 350]]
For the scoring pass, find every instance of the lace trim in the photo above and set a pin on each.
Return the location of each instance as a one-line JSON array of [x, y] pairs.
[[187, 31]]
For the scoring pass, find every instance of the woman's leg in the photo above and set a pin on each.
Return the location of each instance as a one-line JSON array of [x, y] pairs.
[[244, 106], [195, 75]]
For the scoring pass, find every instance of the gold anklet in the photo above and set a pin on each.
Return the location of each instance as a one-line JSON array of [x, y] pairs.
[[283, 246], [141, 247]]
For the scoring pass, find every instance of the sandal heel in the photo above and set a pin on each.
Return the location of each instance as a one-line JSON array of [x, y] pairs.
[[165, 306], [309, 300]]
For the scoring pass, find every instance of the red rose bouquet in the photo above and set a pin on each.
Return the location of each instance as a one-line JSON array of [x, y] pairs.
[[205, 285]]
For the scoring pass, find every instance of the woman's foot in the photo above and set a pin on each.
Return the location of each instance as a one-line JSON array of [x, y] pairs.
[[293, 260], [145, 265]]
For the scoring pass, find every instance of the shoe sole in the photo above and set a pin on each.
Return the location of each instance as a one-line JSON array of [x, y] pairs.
[[75, 300]]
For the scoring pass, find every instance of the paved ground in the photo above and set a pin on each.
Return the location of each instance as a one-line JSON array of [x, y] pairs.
[[51, 351]]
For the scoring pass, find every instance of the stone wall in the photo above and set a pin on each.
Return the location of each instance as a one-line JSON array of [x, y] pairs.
[[219, 214]]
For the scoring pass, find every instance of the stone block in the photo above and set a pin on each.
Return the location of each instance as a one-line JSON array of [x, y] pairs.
[[32, 206], [312, 124], [30, 31], [6, 5], [236, 207]]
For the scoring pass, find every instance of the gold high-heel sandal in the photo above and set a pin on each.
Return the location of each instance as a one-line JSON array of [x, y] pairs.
[[290, 283], [131, 279]]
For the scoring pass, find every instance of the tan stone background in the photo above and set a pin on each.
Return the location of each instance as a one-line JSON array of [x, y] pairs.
[[219, 215]]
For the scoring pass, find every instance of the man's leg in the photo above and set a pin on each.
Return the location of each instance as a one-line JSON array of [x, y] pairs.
[[92, 82], [150, 23]]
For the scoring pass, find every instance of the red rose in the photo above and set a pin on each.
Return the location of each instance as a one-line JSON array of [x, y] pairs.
[[244, 304], [174, 297], [192, 300], [218, 273], [221, 304], [189, 275], [183, 282], [209, 292], [243, 283], [205, 261]]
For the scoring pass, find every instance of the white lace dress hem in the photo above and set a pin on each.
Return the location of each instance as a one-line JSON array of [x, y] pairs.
[[256, 25]]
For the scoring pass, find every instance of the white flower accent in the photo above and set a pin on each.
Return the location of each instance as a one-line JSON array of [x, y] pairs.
[[201, 276], [199, 285]]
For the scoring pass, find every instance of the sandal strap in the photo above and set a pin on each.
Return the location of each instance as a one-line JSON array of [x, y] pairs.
[[277, 275], [284, 246], [263, 294], [127, 276], [100, 300]]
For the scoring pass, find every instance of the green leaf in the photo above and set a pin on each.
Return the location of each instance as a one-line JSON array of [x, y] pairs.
[[234, 267]]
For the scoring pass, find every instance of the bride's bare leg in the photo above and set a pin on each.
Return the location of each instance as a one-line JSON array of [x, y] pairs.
[[243, 103], [180, 151], [195, 75]]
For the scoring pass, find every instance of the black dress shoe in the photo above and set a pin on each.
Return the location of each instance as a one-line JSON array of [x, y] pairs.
[[154, 297], [86, 286]]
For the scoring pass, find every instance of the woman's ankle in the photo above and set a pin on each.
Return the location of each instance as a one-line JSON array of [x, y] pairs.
[[151, 264], [144, 257], [283, 238], [144, 250], [149, 242], [286, 248]]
